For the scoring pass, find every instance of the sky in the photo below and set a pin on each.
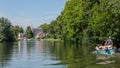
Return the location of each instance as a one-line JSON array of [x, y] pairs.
[[31, 12]]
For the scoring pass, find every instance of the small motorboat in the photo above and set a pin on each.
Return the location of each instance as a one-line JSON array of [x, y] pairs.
[[106, 50]]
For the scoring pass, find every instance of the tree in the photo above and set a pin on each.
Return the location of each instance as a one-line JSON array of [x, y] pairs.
[[95, 19], [29, 32], [17, 29], [45, 27], [6, 32]]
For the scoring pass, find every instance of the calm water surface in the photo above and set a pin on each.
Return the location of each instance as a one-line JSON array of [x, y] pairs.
[[53, 54]]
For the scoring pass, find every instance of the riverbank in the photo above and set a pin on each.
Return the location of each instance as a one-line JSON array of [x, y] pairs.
[[51, 39]]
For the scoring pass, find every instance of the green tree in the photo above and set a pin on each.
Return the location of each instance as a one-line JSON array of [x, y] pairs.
[[94, 19], [45, 27], [17, 29], [6, 32], [105, 20], [29, 32]]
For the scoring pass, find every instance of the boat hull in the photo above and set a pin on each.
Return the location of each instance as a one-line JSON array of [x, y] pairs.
[[108, 51]]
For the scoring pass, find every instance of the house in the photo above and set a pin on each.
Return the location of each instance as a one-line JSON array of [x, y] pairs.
[[21, 36], [38, 33]]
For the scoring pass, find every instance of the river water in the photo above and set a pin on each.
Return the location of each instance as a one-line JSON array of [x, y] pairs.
[[53, 54]]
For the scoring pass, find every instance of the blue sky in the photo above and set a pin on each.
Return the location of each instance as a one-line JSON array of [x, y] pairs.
[[31, 12]]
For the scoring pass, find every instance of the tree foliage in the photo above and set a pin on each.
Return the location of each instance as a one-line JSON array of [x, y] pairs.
[[29, 32], [95, 19], [44, 27], [6, 32], [17, 29]]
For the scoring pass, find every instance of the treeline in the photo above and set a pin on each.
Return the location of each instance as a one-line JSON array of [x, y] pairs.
[[9, 33], [89, 20]]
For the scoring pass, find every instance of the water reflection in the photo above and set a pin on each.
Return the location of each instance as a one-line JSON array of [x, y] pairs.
[[103, 57], [5, 53], [52, 54]]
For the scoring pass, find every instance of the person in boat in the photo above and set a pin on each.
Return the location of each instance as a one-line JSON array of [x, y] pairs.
[[109, 42], [100, 47], [105, 45]]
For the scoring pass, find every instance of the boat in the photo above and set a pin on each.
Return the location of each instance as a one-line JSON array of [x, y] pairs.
[[106, 50]]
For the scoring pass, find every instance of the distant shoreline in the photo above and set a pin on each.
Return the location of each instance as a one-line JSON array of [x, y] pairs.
[[51, 39], [43, 39]]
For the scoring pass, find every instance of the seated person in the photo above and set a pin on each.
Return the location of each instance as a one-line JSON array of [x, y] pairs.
[[100, 47], [109, 42]]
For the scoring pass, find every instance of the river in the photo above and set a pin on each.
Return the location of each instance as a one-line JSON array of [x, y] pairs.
[[53, 54]]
